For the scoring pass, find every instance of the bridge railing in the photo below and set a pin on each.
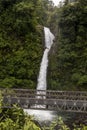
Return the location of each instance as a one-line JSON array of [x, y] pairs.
[[48, 94]]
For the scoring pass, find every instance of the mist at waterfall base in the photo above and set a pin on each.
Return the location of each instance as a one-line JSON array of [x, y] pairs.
[[43, 115]]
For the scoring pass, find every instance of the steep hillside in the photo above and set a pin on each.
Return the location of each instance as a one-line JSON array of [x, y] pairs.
[[68, 65], [21, 48]]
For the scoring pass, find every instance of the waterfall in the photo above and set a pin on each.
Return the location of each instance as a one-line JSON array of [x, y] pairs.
[[42, 84], [49, 37]]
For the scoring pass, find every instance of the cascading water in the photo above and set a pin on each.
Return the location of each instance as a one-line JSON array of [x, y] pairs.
[[49, 37], [42, 84]]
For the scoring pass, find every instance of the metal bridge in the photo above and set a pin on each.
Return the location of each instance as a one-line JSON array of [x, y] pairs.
[[70, 101]]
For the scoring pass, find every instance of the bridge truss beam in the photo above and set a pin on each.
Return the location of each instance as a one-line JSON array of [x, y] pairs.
[[47, 104]]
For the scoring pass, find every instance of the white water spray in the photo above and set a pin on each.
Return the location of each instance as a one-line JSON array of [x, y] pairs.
[[49, 37]]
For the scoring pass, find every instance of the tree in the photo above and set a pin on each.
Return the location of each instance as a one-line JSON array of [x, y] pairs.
[[70, 71]]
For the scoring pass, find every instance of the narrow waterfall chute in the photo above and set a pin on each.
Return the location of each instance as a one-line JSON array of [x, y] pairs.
[[42, 83], [49, 37]]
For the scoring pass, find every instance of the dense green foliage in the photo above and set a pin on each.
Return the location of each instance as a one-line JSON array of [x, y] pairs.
[[68, 65], [21, 36], [21, 48], [15, 119]]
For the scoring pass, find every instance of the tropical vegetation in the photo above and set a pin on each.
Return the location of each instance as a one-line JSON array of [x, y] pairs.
[[68, 62], [21, 36], [21, 49]]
